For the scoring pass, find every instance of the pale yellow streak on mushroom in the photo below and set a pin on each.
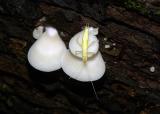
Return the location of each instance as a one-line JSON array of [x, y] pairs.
[[85, 44]]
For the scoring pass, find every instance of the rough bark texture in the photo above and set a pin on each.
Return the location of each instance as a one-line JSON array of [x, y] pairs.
[[132, 29]]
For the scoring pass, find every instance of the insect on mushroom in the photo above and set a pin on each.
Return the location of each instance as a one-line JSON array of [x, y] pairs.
[[85, 44], [81, 60], [85, 52]]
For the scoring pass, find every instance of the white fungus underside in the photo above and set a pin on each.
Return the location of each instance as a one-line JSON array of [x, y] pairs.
[[93, 70], [46, 53]]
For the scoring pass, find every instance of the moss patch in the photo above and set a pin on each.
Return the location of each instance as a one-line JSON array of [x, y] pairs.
[[135, 5]]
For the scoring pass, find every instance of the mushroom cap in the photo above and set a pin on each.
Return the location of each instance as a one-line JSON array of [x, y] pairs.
[[75, 44], [38, 31], [93, 70], [46, 53]]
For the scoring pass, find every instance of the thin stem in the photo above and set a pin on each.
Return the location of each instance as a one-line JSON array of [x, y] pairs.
[[95, 91]]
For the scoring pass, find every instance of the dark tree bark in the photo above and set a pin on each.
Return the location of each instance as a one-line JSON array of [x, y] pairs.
[[132, 29]]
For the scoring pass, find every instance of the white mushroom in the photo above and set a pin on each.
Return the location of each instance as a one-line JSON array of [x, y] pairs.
[[38, 31], [46, 53], [93, 70], [75, 44], [82, 66]]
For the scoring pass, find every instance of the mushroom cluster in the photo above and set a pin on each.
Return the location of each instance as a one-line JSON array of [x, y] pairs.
[[82, 61]]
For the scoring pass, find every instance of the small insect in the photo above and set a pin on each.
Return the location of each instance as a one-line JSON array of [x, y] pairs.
[[85, 44], [85, 52]]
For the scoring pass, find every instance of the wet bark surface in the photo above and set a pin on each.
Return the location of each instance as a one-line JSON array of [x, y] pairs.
[[129, 86]]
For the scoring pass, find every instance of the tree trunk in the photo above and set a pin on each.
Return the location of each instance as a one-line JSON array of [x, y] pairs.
[[131, 84]]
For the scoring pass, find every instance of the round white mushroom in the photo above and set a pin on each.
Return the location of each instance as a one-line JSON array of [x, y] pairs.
[[46, 53], [88, 64], [93, 70]]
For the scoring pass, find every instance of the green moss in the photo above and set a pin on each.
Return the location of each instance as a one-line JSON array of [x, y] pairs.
[[9, 102], [157, 12], [5, 88], [135, 5]]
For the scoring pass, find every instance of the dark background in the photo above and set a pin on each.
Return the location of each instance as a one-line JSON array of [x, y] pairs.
[[132, 29]]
